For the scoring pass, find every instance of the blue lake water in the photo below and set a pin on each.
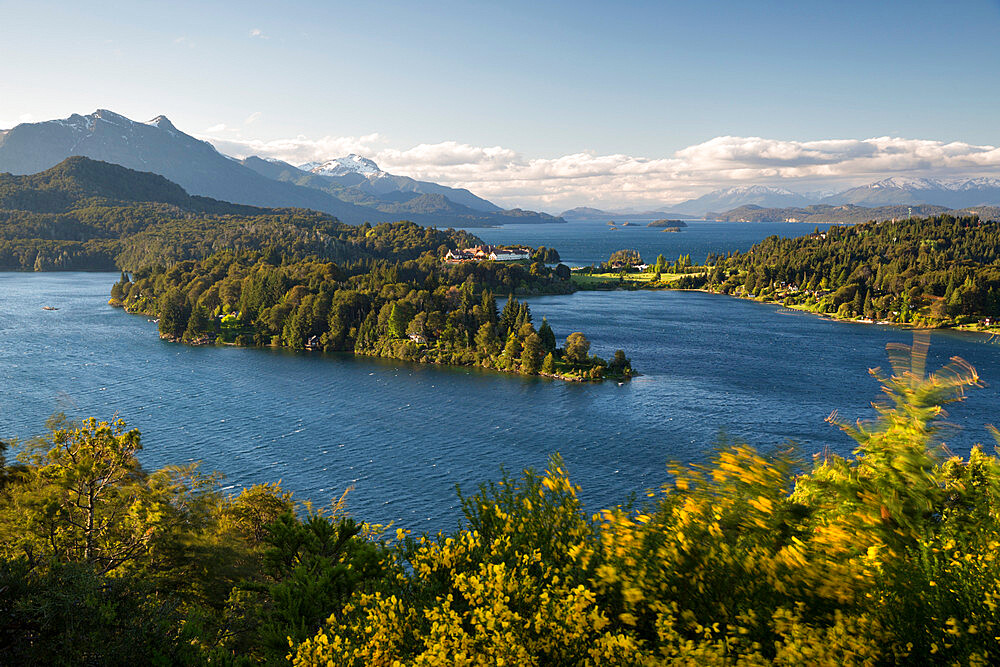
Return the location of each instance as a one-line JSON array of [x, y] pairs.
[[403, 435], [584, 243]]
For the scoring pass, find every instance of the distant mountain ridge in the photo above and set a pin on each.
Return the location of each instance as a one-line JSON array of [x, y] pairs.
[[157, 146], [954, 193], [758, 195], [849, 213], [364, 174], [590, 214], [947, 194]]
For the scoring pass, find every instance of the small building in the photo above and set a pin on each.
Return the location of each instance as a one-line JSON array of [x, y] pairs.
[[417, 338], [509, 254], [481, 253]]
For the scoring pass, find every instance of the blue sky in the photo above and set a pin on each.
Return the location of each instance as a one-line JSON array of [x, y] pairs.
[[533, 81]]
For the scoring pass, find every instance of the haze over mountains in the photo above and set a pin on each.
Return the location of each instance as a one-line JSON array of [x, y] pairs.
[[889, 197], [353, 189]]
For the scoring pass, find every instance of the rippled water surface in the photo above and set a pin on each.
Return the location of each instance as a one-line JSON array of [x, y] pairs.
[[403, 435]]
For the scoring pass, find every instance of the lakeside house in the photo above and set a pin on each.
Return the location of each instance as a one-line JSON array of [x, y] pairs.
[[481, 253]]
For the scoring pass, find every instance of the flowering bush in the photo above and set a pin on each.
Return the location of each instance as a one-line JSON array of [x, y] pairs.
[[885, 557]]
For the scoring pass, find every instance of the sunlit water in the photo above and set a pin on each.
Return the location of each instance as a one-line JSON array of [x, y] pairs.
[[403, 435]]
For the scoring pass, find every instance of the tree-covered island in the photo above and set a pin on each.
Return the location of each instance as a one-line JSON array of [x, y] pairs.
[[422, 310]]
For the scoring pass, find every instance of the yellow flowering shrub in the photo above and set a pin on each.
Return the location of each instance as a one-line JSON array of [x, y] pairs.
[[886, 557]]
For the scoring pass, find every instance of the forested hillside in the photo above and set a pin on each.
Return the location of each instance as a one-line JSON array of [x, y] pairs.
[[88, 215], [938, 271]]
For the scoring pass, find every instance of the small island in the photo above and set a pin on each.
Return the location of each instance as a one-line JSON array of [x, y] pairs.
[[669, 224]]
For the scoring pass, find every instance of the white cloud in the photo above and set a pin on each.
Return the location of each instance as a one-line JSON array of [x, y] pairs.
[[258, 33], [253, 118], [554, 183]]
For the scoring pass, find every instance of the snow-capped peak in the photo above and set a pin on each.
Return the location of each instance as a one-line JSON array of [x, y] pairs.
[[342, 166], [955, 184], [755, 190], [112, 117], [901, 183], [162, 122]]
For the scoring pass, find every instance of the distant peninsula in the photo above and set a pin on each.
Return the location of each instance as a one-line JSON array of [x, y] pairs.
[[847, 213]]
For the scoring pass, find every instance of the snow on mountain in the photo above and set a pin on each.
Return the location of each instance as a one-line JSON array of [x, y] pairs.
[[902, 183], [753, 190], [741, 195], [342, 166], [356, 171], [953, 193]]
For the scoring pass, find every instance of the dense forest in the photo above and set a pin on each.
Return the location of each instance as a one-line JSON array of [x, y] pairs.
[[419, 310], [88, 215], [888, 556], [940, 271]]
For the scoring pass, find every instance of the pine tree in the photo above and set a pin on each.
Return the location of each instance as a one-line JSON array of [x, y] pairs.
[[489, 306], [508, 316], [548, 365], [548, 336], [531, 354], [511, 351]]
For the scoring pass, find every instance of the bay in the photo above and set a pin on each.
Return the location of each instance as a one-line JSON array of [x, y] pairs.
[[402, 435]]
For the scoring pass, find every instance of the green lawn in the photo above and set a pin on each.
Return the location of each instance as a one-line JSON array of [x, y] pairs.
[[593, 280]]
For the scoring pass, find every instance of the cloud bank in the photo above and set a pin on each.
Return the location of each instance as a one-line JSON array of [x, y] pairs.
[[555, 183]]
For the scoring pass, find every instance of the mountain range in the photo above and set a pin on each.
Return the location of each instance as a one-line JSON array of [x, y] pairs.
[[589, 214], [881, 199], [353, 188], [944, 194], [914, 191]]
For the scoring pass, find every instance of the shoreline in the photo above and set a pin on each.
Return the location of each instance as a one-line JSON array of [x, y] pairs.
[[208, 341], [638, 286]]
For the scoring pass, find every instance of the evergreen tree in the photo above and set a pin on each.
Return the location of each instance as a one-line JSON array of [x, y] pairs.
[[511, 351], [531, 354], [547, 336], [489, 307], [174, 313], [548, 365], [508, 316], [486, 340], [198, 323]]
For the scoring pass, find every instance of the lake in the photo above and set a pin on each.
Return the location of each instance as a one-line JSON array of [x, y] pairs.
[[403, 435], [584, 243]]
